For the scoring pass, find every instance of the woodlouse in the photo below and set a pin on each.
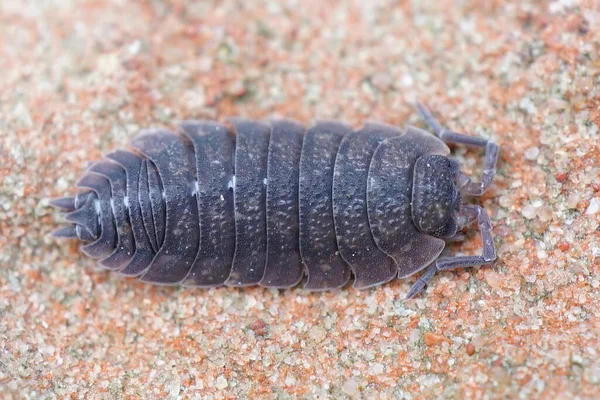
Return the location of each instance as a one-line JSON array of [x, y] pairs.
[[267, 203]]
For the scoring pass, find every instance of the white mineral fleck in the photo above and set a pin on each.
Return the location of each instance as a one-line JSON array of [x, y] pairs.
[[351, 388], [593, 207], [532, 153], [317, 333], [528, 211], [221, 382], [377, 368]]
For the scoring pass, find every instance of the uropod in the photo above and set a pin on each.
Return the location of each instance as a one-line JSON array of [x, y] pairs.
[[272, 203]]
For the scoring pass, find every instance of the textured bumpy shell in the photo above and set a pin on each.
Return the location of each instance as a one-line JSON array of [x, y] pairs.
[[257, 203]]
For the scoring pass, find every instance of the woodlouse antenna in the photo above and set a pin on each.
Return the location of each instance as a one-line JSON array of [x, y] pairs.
[[465, 184]]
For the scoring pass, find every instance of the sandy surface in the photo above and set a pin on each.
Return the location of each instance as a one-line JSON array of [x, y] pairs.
[[79, 78]]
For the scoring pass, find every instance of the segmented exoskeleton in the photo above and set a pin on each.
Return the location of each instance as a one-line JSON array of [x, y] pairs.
[[248, 203]]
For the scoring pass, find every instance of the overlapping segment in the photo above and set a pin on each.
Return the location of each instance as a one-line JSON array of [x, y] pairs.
[[318, 246], [370, 265], [251, 156], [173, 157], [125, 247], [283, 264], [107, 241], [145, 207], [132, 164], [156, 194], [214, 149]]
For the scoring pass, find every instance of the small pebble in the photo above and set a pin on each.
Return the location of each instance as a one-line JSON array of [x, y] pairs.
[[573, 199], [532, 153], [564, 246], [259, 327], [431, 339], [593, 207], [351, 388], [237, 89], [528, 211], [377, 368], [561, 177], [470, 349], [318, 334], [221, 383], [381, 81]]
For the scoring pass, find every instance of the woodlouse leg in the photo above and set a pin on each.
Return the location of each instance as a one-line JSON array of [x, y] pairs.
[[465, 183], [448, 263], [487, 177], [458, 237], [489, 251], [422, 281], [467, 215]]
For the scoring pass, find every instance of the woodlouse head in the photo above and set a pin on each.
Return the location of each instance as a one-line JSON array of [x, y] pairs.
[[436, 199]]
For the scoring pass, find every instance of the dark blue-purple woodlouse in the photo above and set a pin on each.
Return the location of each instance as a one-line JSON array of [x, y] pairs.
[[266, 203]]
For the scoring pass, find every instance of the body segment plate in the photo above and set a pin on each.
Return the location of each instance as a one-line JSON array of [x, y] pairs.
[[370, 265], [252, 148], [318, 246], [176, 255], [214, 150], [283, 265]]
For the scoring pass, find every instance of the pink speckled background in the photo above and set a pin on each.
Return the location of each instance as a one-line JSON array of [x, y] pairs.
[[79, 78]]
